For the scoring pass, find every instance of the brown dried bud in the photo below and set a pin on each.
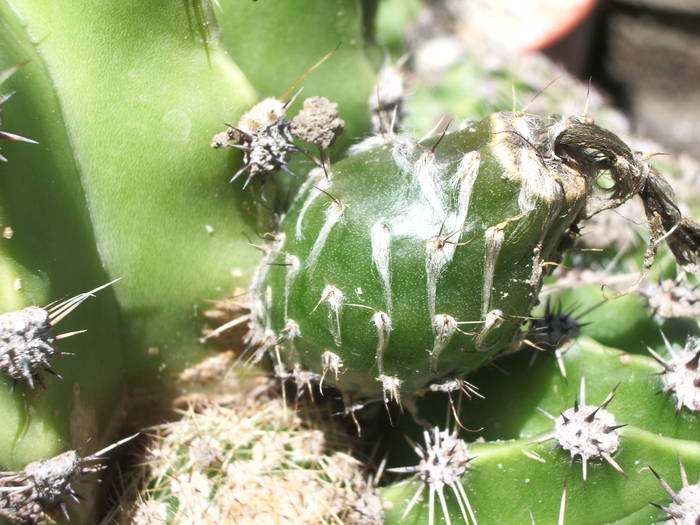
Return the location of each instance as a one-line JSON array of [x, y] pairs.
[[318, 122]]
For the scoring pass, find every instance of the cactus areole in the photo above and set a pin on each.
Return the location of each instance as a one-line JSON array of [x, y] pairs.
[[414, 263]]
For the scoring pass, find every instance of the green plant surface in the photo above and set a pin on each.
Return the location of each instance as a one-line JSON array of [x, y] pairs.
[[514, 390], [51, 256], [125, 96], [505, 486], [393, 20], [510, 466], [275, 43]]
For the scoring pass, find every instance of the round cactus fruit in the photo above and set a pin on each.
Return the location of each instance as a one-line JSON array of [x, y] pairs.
[[413, 261]]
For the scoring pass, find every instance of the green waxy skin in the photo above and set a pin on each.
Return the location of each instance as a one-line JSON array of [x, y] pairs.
[[506, 468], [624, 322], [51, 256], [275, 43], [125, 134], [402, 244], [506, 487]]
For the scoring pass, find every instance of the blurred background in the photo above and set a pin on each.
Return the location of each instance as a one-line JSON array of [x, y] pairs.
[[643, 56]]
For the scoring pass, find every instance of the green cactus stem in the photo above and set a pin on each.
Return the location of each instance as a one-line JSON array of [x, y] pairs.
[[124, 134], [541, 487], [528, 457], [121, 184], [4, 97]]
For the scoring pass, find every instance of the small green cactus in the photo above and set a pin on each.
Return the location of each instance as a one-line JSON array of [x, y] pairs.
[[250, 460], [411, 263]]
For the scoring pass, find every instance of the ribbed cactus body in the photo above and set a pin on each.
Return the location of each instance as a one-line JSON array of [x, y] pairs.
[[413, 261]]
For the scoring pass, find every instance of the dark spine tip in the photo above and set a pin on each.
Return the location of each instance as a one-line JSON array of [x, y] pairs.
[[612, 428], [693, 363]]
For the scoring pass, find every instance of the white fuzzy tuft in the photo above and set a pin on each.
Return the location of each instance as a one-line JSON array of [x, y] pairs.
[[322, 183], [494, 238], [380, 237], [330, 362], [382, 322], [464, 180], [438, 253], [334, 213], [334, 299], [588, 431], [444, 328], [443, 463], [293, 266], [391, 387], [426, 171], [682, 374], [492, 321]]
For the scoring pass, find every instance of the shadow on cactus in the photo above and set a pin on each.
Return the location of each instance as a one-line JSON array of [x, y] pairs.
[[5, 135]]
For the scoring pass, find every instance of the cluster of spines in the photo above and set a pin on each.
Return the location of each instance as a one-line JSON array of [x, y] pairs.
[[681, 373], [31, 496], [587, 431], [251, 460], [590, 432], [444, 459], [27, 342], [684, 508], [266, 137]]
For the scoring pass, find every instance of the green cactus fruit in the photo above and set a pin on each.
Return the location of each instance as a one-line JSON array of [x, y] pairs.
[[410, 262]]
